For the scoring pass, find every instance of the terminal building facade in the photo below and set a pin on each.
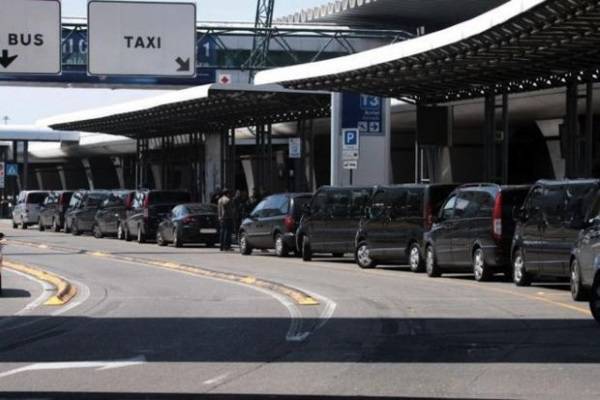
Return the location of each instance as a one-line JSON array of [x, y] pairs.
[[477, 123]]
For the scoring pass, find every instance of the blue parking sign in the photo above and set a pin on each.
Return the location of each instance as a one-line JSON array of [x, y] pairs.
[[350, 137], [12, 169]]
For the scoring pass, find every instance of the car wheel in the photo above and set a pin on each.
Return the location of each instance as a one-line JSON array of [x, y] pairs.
[[97, 232], [362, 256], [306, 250], [595, 299], [280, 247], [14, 224], [140, 235], [23, 225], [414, 258], [120, 232], [210, 244], [41, 226], [520, 275], [578, 291], [159, 239], [75, 229], [55, 226], [177, 242], [431, 266], [245, 248], [67, 227], [481, 271]]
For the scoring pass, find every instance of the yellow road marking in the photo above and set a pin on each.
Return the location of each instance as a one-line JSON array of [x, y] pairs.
[[64, 290], [296, 295]]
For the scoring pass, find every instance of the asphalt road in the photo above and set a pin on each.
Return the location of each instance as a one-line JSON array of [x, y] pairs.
[[138, 328]]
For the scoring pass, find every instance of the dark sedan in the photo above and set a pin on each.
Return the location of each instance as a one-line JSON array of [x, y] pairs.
[[189, 223]]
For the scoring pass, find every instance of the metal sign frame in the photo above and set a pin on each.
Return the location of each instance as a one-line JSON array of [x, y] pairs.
[[193, 61], [60, 45]]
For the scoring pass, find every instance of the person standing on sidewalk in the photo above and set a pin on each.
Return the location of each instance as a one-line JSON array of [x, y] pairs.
[[225, 208]]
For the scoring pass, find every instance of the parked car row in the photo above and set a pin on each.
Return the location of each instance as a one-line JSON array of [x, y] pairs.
[[164, 216], [550, 230]]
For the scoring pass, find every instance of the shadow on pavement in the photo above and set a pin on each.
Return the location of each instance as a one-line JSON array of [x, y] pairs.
[[190, 396], [10, 293], [366, 340]]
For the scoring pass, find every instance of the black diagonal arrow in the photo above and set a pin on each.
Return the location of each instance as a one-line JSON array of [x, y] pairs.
[[6, 60], [183, 65]]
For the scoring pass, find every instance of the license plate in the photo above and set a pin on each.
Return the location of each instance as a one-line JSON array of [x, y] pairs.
[[208, 230]]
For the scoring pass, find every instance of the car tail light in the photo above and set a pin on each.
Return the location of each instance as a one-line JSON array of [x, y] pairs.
[[428, 216], [497, 218], [189, 220], [289, 223]]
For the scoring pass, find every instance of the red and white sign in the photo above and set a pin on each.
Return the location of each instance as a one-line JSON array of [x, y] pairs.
[[224, 79]]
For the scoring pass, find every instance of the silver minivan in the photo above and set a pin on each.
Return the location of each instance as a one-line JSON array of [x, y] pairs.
[[27, 209]]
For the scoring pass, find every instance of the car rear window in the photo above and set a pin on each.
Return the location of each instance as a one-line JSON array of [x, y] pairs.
[[299, 204], [512, 199], [94, 199], [169, 197], [36, 198]]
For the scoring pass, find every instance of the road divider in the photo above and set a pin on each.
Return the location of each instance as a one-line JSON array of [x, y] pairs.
[[298, 296], [65, 291]]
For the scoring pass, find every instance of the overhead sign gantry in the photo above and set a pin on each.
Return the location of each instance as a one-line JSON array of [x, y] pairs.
[[147, 39], [30, 41]]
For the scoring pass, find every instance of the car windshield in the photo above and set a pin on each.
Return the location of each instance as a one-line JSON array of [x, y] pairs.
[[202, 209], [168, 197]]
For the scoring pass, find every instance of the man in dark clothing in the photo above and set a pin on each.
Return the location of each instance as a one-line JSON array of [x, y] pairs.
[[225, 209]]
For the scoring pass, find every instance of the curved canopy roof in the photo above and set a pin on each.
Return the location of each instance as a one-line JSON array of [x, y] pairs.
[[392, 13], [199, 109], [522, 45]]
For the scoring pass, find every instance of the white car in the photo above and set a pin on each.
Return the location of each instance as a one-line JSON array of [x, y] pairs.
[[27, 209]]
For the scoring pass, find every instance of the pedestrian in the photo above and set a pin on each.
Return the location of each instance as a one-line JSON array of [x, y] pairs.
[[215, 196], [225, 209]]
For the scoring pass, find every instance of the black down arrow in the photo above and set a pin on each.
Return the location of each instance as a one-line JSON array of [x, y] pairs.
[[183, 65], [5, 60]]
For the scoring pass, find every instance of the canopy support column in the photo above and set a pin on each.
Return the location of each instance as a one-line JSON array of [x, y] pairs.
[[571, 126], [589, 128], [489, 137], [270, 156], [25, 165], [505, 138]]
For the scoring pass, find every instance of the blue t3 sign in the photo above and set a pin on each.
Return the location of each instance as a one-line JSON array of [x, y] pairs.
[[363, 112]]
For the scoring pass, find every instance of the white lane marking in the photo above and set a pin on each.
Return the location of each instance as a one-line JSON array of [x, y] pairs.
[[327, 311], [294, 333], [98, 365], [46, 292], [216, 379]]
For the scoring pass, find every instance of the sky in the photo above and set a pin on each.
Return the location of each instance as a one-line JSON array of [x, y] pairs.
[[25, 105]]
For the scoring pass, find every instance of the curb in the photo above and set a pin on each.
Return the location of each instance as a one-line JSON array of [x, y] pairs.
[[64, 290], [296, 295]]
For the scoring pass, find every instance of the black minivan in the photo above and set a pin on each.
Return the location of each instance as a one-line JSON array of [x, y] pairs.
[[474, 231], [548, 227], [273, 224], [330, 221], [148, 209], [396, 218]]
